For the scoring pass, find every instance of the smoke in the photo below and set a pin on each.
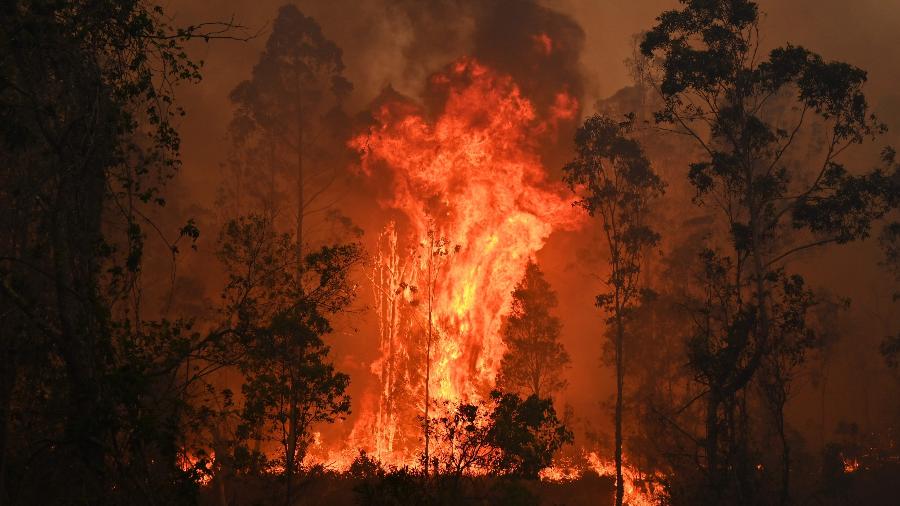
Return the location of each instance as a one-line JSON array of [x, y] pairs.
[[392, 47]]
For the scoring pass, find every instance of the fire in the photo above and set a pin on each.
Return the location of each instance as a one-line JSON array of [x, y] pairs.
[[543, 42], [472, 188], [851, 465], [638, 489]]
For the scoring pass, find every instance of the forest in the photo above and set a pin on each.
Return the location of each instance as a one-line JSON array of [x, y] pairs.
[[453, 252]]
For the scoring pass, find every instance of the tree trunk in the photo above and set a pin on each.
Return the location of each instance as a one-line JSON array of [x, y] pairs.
[[300, 196], [76, 231], [428, 355], [7, 385], [712, 441], [290, 455], [785, 459], [620, 381]]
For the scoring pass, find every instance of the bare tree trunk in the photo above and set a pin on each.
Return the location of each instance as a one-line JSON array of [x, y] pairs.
[[300, 196], [428, 354], [620, 381], [785, 458], [289, 460], [712, 441]]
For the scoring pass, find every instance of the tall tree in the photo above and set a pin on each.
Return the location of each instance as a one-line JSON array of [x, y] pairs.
[[890, 245], [535, 359], [86, 108], [288, 383], [750, 114], [288, 116], [615, 182]]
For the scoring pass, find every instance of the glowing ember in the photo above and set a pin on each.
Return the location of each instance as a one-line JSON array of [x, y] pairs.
[[639, 491], [543, 42], [472, 178], [851, 465]]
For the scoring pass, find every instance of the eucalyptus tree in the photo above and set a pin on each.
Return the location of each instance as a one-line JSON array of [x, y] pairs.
[[287, 122], [616, 183], [87, 107], [772, 128]]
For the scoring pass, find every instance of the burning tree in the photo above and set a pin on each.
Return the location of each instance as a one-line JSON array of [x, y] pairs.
[[535, 359]]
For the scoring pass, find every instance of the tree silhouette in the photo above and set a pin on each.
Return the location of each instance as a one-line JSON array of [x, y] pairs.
[[87, 142], [535, 359], [288, 119], [750, 115], [288, 383], [505, 435], [615, 182]]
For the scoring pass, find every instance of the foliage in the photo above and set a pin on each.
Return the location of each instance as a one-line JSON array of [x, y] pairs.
[[751, 116], [616, 182], [91, 391], [277, 326], [507, 436], [288, 127], [527, 433], [534, 359]]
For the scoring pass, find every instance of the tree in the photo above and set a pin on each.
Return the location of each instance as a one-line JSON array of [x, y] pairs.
[[288, 119], [506, 435], [288, 130], [615, 182], [527, 433], [86, 107], [288, 383], [889, 241], [534, 360], [750, 115]]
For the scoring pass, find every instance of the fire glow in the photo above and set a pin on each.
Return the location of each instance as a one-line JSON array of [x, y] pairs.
[[471, 180], [473, 191]]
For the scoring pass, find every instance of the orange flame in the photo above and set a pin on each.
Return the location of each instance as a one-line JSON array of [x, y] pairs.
[[473, 178]]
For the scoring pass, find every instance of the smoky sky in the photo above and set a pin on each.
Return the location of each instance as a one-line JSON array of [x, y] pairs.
[[400, 43]]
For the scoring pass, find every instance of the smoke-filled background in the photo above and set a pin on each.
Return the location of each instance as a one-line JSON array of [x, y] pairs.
[[449, 252], [398, 45]]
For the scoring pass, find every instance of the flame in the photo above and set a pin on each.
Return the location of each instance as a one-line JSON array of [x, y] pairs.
[[851, 465], [470, 183], [638, 489], [543, 43]]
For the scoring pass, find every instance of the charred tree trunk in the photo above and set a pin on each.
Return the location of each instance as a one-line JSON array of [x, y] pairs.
[[291, 448], [712, 442], [620, 382], [428, 354], [300, 192]]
